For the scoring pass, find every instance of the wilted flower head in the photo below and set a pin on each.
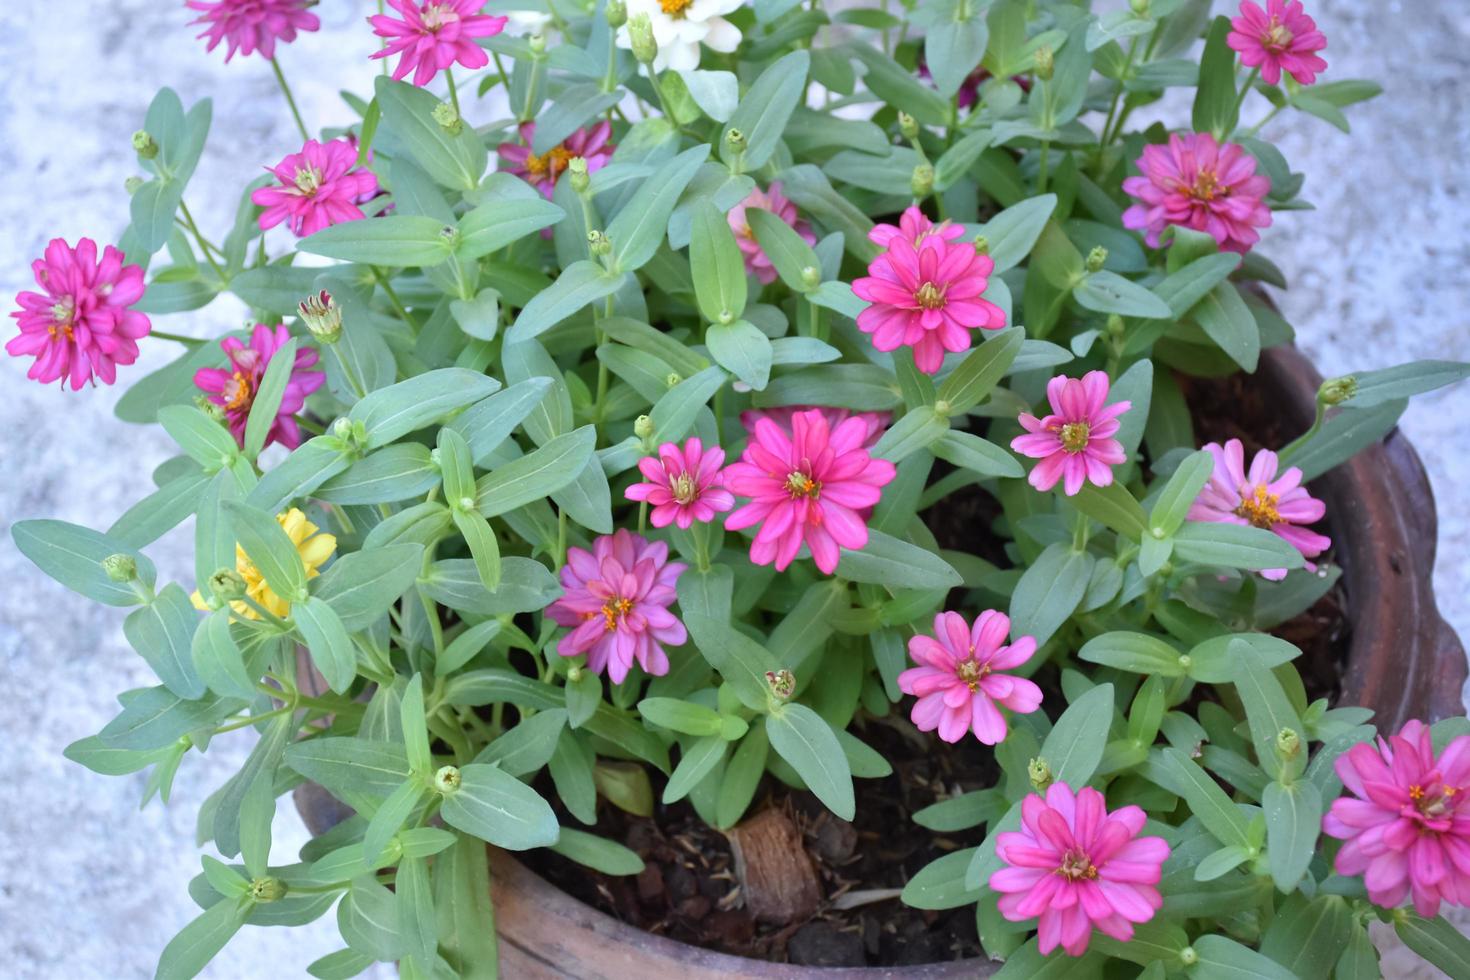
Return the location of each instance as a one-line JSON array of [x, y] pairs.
[[590, 143], [772, 200], [248, 26], [313, 547], [683, 485], [1075, 443], [1407, 822], [1196, 183], [79, 327], [319, 187], [1261, 498], [680, 26], [434, 35], [1280, 38], [957, 683], [234, 389], [1077, 867], [617, 600]]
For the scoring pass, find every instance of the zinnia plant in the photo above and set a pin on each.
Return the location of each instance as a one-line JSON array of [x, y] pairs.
[[632, 432]]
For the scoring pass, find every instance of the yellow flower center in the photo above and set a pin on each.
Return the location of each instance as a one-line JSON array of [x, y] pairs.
[[308, 180], [1277, 37], [62, 315], [1077, 865], [238, 392], [675, 8], [683, 488], [930, 296], [553, 163], [1075, 436], [613, 611], [1260, 509], [971, 673], [1433, 805], [436, 15], [799, 485], [1207, 186]]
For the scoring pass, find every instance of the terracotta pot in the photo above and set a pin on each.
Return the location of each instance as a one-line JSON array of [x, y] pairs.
[[1404, 662]]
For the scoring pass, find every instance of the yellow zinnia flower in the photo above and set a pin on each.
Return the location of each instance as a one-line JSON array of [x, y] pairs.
[[313, 547]]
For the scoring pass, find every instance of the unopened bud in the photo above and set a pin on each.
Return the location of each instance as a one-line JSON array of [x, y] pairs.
[[1045, 62], [144, 143], [908, 126], [1115, 325], [640, 39], [616, 13], [735, 140], [537, 43], [1288, 743], [1335, 391], [322, 317], [132, 184], [811, 276], [1139, 7], [215, 412], [451, 235], [578, 175], [446, 780], [922, 181], [342, 429], [673, 379], [782, 684], [597, 243], [1096, 258], [574, 673], [982, 245], [120, 568], [643, 426], [1039, 773], [447, 116], [227, 585], [267, 890]]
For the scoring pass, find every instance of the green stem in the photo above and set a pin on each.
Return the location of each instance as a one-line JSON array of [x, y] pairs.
[[453, 91], [266, 614], [1265, 119], [1244, 91], [290, 99], [1104, 139], [310, 426], [203, 246], [561, 538], [500, 68], [1295, 446], [255, 719], [177, 338], [392, 296]]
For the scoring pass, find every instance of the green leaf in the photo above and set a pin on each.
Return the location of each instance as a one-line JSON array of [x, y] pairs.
[[1268, 711], [411, 716], [466, 646], [940, 884], [187, 953], [1207, 801], [331, 649], [1108, 292], [1436, 940], [900, 88], [962, 812], [218, 660], [466, 914], [674, 413], [953, 48], [579, 284], [1114, 506], [788, 251], [697, 762], [152, 718], [1183, 288], [1225, 318], [1012, 233], [525, 586], [528, 746], [454, 160], [681, 716], [808, 744], [267, 403], [916, 431], [368, 920], [981, 370], [742, 775], [598, 853], [717, 266], [1139, 653], [361, 585], [392, 412], [491, 227], [389, 819], [763, 113], [886, 560], [417, 924], [1343, 436], [1374, 388], [1215, 109], [358, 771], [741, 349], [398, 240], [162, 632], [270, 549], [1074, 747], [1216, 661], [484, 548], [311, 465], [1309, 936], [1178, 495], [1049, 592], [1234, 546], [159, 512], [206, 441], [497, 807], [979, 456], [1293, 817], [640, 226], [535, 475], [1225, 959]]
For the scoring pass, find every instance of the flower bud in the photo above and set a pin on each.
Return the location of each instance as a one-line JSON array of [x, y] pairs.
[[1045, 62], [342, 429], [227, 585], [673, 379], [215, 412], [447, 116], [132, 184], [1288, 743], [643, 426], [922, 182], [578, 175], [1039, 773], [120, 568], [782, 684], [735, 140], [575, 671], [446, 780], [982, 245], [616, 13], [908, 126], [267, 890], [323, 317], [1139, 7], [811, 277], [1115, 325], [537, 44], [1096, 258], [640, 39], [451, 235], [144, 143], [1335, 391], [597, 243]]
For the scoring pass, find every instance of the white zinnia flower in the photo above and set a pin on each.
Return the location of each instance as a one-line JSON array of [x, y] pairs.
[[680, 26]]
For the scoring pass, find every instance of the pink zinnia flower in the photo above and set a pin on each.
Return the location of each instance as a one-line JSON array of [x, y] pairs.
[[913, 226], [1195, 183], [248, 26], [434, 35], [956, 680], [684, 485], [1407, 823], [1261, 498], [79, 325], [807, 487], [234, 389], [617, 597], [1281, 37], [873, 422], [772, 200], [1076, 441], [927, 296], [590, 143], [1078, 867], [319, 187]]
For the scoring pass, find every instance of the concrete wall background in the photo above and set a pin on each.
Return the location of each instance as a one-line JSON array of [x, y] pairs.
[[92, 886]]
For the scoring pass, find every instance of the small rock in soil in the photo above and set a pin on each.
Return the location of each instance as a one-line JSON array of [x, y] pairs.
[[822, 944], [833, 839]]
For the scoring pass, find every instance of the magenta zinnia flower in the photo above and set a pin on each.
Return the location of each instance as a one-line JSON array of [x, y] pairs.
[[684, 485], [927, 296], [590, 143], [617, 599], [248, 26], [1280, 38], [956, 680], [1078, 867], [807, 487], [1261, 498], [1195, 183], [873, 422], [1407, 823], [1076, 441], [772, 200], [234, 389], [319, 187], [434, 35], [913, 226], [79, 326]]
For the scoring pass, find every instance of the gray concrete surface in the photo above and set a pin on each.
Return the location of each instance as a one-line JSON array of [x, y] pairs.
[[92, 887]]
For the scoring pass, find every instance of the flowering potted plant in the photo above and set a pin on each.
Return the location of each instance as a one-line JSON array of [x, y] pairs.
[[811, 483]]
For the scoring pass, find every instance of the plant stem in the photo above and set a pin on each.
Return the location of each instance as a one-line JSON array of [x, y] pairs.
[[1295, 446], [1244, 91], [1042, 172], [1265, 119], [290, 99], [177, 338], [310, 426], [203, 245], [453, 90], [392, 296]]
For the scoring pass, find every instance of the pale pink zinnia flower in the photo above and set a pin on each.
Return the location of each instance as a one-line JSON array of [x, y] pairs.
[[617, 598], [807, 487], [1078, 867], [590, 143], [234, 388], [913, 226], [79, 326], [927, 296], [1280, 38], [956, 680], [432, 36], [684, 485], [772, 200], [1075, 442], [319, 187], [248, 26], [1261, 498], [1407, 823], [1196, 183]]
